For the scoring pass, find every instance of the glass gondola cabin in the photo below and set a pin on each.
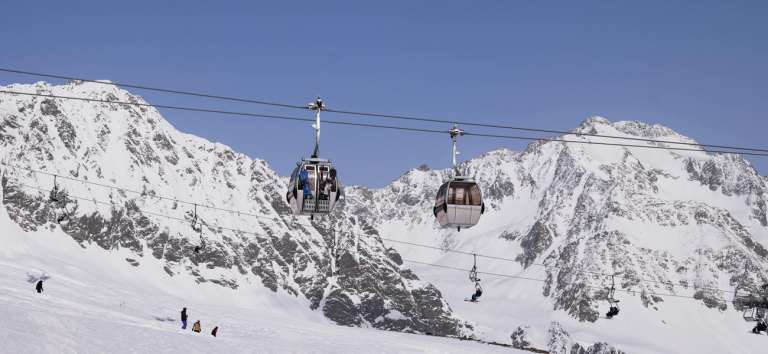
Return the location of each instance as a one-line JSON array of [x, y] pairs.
[[313, 188], [459, 203]]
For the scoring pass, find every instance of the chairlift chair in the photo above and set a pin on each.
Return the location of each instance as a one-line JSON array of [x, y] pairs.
[[754, 314], [54, 195], [613, 303], [473, 278]]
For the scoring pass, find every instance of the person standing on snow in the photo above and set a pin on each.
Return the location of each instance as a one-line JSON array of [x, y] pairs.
[[196, 327], [39, 286], [184, 318], [215, 330]]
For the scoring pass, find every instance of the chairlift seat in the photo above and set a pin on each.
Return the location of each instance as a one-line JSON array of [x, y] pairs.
[[754, 314]]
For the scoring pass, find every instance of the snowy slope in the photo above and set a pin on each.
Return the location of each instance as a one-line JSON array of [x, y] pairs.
[[94, 302]]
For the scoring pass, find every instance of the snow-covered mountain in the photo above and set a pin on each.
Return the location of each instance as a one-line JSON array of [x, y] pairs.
[[664, 219], [673, 223], [683, 223], [353, 279]]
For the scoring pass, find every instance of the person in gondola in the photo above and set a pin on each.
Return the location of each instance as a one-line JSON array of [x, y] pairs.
[[327, 183], [333, 179], [761, 326], [303, 178], [39, 286], [478, 292]]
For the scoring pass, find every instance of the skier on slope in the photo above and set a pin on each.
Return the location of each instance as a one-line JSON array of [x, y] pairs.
[[196, 327], [215, 330], [39, 286], [613, 311], [760, 327], [184, 318]]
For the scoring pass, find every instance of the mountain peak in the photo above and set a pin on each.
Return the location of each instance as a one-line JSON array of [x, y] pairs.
[[595, 120], [631, 128]]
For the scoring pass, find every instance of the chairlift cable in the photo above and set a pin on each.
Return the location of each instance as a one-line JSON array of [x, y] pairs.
[[536, 279], [240, 231], [279, 218]]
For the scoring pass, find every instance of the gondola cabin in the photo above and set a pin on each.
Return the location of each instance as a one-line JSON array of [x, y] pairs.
[[313, 188], [459, 203]]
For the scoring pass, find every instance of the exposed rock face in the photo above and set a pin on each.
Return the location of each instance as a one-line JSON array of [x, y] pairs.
[[559, 341], [340, 266], [519, 338], [537, 240]]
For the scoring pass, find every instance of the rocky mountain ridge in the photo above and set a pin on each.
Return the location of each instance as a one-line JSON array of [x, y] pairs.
[[679, 222]]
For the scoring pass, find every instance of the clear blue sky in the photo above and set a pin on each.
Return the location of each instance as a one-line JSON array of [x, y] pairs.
[[698, 67]]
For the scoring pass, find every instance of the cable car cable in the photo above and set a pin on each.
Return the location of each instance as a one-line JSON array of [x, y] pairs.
[[422, 130], [377, 115], [551, 131], [149, 88], [247, 114]]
